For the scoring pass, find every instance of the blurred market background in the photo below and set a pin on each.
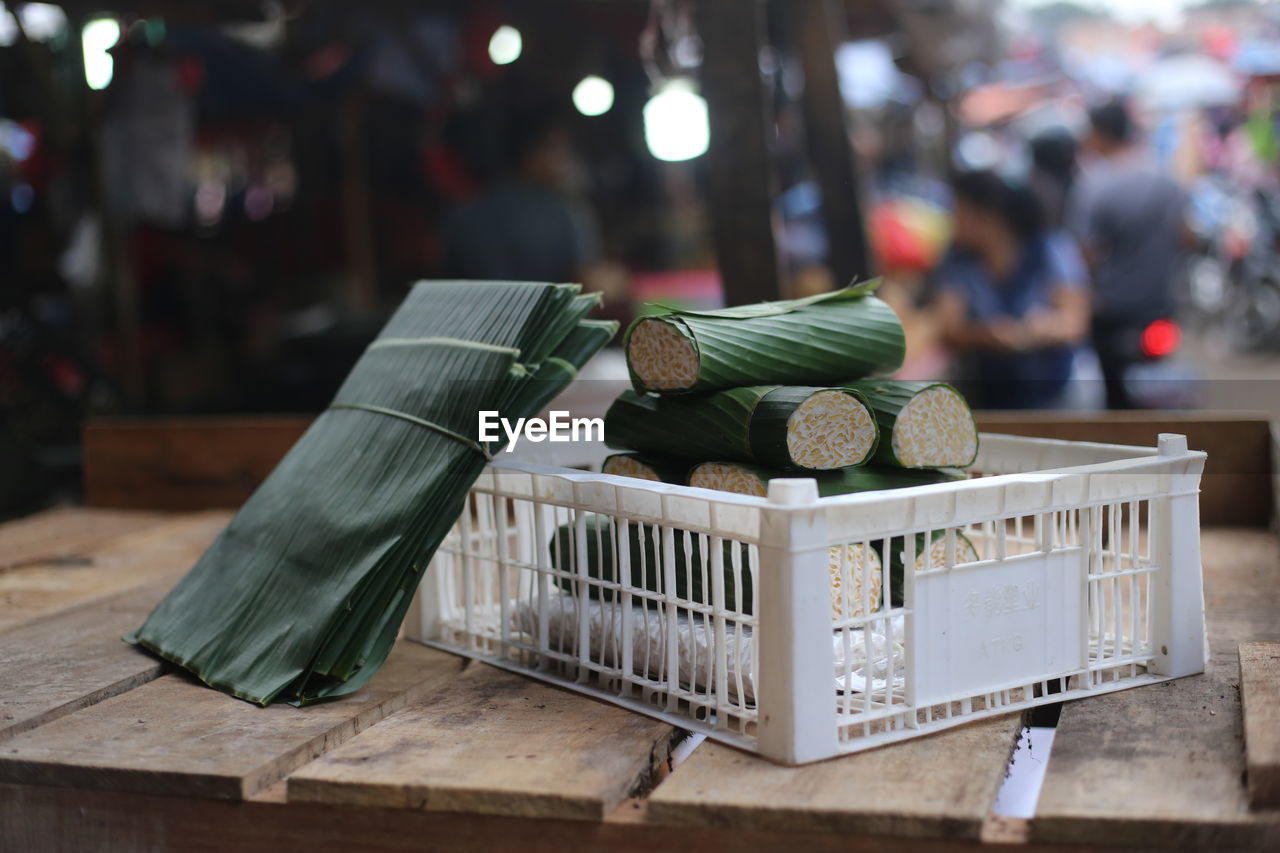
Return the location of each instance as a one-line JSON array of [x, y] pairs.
[[211, 208]]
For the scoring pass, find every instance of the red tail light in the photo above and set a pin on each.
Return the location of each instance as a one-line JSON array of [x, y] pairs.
[[1161, 338]]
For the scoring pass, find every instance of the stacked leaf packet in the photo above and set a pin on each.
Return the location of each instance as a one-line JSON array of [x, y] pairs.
[[301, 596], [730, 399], [780, 389]]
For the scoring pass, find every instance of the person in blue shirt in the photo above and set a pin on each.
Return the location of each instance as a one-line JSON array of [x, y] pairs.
[[1013, 303]]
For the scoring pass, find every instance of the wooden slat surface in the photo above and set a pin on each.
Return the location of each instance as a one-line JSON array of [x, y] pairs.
[[65, 535], [196, 463], [176, 736], [1164, 765], [161, 551], [73, 660], [492, 742], [1161, 765], [35, 819], [183, 463], [1260, 701], [942, 785], [1237, 487]]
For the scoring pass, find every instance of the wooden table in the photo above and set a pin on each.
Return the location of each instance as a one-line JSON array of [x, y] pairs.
[[103, 748]]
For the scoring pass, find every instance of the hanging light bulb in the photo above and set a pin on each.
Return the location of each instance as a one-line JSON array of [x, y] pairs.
[[505, 45], [675, 122], [593, 96], [96, 39]]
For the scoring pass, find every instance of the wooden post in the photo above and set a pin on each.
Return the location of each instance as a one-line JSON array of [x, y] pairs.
[[815, 29], [357, 212], [741, 175]]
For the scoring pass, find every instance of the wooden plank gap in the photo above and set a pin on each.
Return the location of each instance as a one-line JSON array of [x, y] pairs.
[[1260, 705], [941, 785], [496, 743], [176, 736]]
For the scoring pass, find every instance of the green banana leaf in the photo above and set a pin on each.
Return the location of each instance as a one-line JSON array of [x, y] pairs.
[[300, 598]]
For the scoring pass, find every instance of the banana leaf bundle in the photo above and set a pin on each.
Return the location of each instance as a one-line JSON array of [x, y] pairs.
[[922, 424], [780, 425], [301, 596], [819, 340]]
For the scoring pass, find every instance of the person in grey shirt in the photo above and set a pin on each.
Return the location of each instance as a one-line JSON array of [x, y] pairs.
[[1128, 218], [525, 227]]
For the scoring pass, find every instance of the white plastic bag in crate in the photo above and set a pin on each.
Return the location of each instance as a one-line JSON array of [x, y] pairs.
[[648, 646]]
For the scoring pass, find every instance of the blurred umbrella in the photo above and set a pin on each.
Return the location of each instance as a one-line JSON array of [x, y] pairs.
[[909, 234], [1258, 59], [998, 102], [1187, 80]]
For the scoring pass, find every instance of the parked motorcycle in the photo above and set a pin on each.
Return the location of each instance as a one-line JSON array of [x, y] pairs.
[[1232, 291]]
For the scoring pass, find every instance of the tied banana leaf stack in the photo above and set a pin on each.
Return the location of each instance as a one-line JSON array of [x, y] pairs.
[[301, 596]]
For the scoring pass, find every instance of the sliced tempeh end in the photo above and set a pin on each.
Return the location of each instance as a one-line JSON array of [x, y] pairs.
[[848, 603], [626, 466], [727, 477], [662, 358], [831, 429], [966, 551], [935, 429]]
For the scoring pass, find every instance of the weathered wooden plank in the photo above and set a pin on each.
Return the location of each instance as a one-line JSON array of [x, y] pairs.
[[1164, 765], [73, 660], [65, 535], [1237, 488], [183, 463], [491, 742], [176, 736], [161, 551], [1260, 702], [36, 819], [942, 785], [217, 462]]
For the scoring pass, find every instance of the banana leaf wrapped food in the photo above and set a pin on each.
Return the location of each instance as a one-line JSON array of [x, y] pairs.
[[642, 466], [932, 553], [819, 340], [783, 426], [300, 598], [691, 568], [922, 424], [746, 479]]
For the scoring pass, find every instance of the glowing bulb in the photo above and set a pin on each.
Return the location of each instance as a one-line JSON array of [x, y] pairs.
[[505, 45], [675, 123], [593, 96], [42, 21], [97, 38]]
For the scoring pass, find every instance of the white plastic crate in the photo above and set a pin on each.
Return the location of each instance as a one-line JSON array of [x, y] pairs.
[[1088, 580]]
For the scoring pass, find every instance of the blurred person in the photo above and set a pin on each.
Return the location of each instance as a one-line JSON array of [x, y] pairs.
[[526, 227], [1129, 219], [1053, 173], [1013, 301]]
